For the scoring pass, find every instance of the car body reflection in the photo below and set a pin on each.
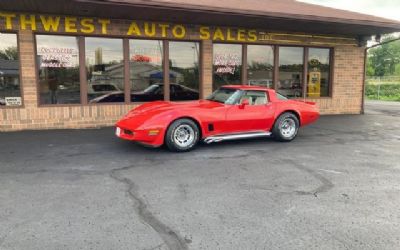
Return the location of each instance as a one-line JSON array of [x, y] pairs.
[[152, 93]]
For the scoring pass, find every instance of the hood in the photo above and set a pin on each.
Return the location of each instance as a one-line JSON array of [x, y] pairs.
[[166, 106], [144, 113]]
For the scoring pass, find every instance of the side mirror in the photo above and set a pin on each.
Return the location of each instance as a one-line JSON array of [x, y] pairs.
[[244, 103]]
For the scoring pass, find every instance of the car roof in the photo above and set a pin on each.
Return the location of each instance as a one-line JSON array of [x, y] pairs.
[[246, 87]]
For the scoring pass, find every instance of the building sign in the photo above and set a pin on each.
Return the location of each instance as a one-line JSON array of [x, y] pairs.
[[146, 55], [103, 26], [144, 29], [54, 57], [13, 101]]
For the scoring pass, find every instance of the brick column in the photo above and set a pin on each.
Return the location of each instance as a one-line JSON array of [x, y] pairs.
[[206, 68], [28, 76]]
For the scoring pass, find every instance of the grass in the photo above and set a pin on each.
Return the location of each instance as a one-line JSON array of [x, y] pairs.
[[383, 91]]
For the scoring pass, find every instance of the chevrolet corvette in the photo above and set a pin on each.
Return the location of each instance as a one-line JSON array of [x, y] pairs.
[[231, 112]]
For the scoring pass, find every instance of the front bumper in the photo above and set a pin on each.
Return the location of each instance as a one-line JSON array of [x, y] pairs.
[[150, 137]]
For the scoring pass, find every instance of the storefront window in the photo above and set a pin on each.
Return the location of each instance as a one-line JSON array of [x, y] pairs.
[[184, 70], [318, 72], [227, 64], [105, 69], [260, 61], [145, 70], [290, 82], [58, 63], [10, 91]]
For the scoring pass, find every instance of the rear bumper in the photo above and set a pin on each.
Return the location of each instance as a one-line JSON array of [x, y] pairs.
[[148, 137], [309, 118]]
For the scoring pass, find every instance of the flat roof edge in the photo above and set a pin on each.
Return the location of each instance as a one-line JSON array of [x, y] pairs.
[[385, 23]]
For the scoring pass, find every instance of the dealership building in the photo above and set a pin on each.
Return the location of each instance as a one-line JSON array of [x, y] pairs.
[[85, 63]]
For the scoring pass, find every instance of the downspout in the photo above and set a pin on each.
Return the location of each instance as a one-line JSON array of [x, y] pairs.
[[364, 77], [365, 69]]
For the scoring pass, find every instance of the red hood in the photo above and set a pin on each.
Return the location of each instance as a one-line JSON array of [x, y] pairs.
[[164, 106], [149, 110]]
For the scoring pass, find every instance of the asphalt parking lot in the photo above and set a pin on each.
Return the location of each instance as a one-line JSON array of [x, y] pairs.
[[335, 187]]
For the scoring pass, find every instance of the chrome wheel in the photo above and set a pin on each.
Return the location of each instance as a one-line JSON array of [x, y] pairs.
[[183, 135], [288, 128]]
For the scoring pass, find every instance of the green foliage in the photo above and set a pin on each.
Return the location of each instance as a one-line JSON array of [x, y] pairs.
[[397, 70], [259, 66], [388, 92], [384, 60], [10, 53], [370, 68]]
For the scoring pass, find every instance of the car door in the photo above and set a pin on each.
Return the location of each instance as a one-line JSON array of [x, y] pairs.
[[176, 93], [258, 115], [156, 94]]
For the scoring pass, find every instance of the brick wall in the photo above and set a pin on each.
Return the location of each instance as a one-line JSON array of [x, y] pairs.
[[346, 92], [207, 62], [347, 88]]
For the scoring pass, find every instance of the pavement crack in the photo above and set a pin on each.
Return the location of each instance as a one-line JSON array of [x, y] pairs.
[[171, 238], [158, 247], [325, 186]]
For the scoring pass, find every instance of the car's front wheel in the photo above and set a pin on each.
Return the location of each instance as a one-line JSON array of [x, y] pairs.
[[285, 127], [182, 135]]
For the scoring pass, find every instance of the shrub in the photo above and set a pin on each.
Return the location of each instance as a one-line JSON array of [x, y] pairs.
[[387, 91]]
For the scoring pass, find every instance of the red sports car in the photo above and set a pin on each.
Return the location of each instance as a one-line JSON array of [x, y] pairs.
[[231, 112]]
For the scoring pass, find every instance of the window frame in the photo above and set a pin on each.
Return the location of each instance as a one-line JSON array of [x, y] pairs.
[[37, 67], [83, 70], [303, 73], [125, 51], [165, 65], [21, 87], [243, 58], [331, 71], [199, 60], [275, 74], [274, 48], [261, 91]]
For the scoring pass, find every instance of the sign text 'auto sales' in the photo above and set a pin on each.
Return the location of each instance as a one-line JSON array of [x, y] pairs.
[[103, 26]]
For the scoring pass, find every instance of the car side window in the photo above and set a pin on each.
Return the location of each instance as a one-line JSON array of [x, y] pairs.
[[175, 89], [159, 90], [255, 97]]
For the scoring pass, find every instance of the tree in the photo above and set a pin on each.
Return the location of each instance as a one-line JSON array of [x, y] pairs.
[[370, 68], [10, 53], [383, 60]]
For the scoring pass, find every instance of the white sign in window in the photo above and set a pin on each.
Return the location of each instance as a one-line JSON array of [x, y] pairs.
[[13, 101]]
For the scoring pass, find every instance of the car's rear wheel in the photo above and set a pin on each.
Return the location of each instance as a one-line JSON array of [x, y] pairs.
[[286, 127], [182, 135]]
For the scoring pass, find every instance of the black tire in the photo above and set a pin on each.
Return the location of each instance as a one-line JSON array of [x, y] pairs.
[[283, 127], [175, 138]]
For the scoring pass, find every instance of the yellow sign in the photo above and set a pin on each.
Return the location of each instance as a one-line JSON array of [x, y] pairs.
[[314, 84], [70, 24]]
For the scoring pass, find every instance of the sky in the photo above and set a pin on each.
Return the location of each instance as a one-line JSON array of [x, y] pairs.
[[383, 8], [7, 40]]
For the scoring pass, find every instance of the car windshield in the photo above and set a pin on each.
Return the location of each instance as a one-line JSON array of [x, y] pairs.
[[280, 96], [225, 95], [103, 87], [151, 88]]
